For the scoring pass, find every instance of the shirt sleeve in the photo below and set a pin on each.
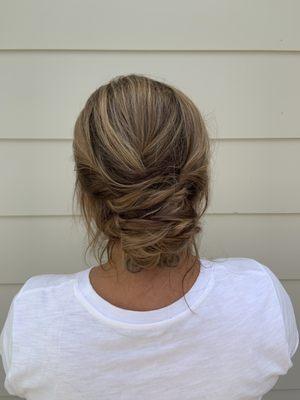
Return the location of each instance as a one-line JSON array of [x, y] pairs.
[[287, 311], [6, 340], [6, 347]]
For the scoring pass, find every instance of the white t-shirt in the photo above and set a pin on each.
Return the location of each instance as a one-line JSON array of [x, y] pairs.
[[62, 341]]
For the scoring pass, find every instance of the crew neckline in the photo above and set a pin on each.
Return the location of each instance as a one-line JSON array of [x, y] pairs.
[[127, 318]]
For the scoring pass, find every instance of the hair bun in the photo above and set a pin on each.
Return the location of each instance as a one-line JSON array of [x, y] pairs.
[[142, 152]]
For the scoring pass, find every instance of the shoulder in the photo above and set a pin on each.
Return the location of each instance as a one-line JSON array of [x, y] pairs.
[[256, 285], [39, 293], [45, 282], [41, 301], [242, 281], [248, 271], [35, 313], [242, 274], [38, 302], [41, 298], [240, 265]]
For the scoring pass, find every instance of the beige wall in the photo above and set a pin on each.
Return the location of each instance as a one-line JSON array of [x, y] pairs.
[[238, 60]]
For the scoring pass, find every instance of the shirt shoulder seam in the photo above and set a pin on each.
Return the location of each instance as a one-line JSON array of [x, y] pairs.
[[23, 291]]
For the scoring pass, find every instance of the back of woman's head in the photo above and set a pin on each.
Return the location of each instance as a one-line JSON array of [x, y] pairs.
[[141, 152]]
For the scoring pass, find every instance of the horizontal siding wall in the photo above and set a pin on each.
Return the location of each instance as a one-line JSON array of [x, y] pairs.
[[238, 61], [147, 25], [241, 95]]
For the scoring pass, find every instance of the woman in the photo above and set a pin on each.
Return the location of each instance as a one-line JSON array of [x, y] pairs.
[[155, 321]]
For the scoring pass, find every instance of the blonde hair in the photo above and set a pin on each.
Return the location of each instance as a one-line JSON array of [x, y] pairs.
[[141, 152]]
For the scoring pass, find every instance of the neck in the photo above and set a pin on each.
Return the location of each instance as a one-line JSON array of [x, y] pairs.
[[145, 290], [118, 279]]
